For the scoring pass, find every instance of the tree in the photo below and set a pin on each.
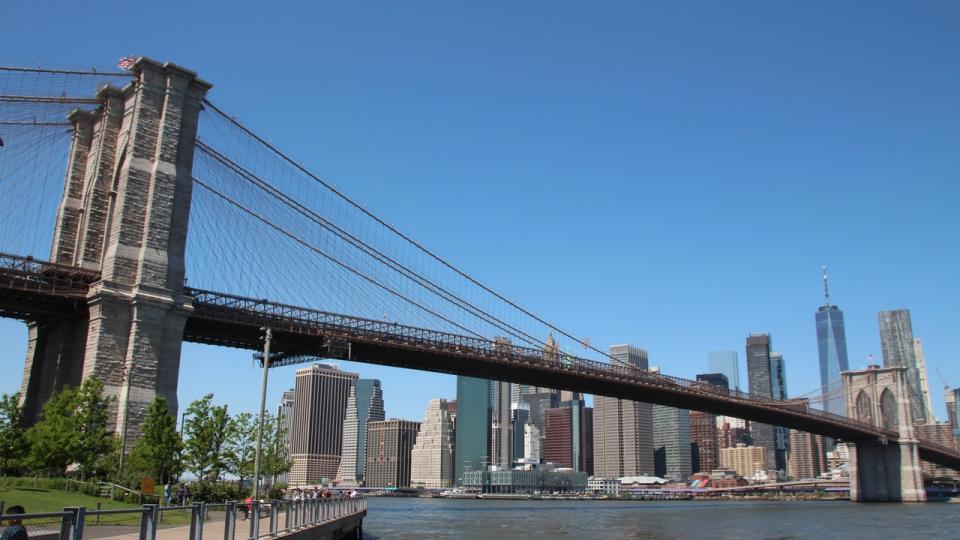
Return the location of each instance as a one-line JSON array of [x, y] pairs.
[[206, 433], [275, 458], [52, 438], [93, 441], [13, 440], [241, 445], [157, 453]]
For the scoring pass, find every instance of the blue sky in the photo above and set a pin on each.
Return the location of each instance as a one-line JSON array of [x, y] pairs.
[[666, 174]]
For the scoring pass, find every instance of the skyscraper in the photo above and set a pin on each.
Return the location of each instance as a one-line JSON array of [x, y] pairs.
[[500, 426], [568, 441], [896, 339], [832, 348], [320, 404], [781, 435], [538, 403], [671, 443], [726, 362], [951, 397], [389, 452], [473, 426], [432, 455], [924, 382], [761, 384], [364, 404], [807, 455], [285, 424], [704, 443], [622, 429], [519, 418]]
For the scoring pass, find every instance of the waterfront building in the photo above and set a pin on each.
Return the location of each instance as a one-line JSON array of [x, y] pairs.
[[531, 443], [838, 461], [568, 441], [603, 486], [760, 377], [285, 425], [671, 443], [896, 340], [562, 480], [746, 460], [472, 426], [832, 350], [622, 429], [364, 404], [432, 455], [320, 404], [726, 362], [924, 382], [389, 452], [637, 485], [807, 455]]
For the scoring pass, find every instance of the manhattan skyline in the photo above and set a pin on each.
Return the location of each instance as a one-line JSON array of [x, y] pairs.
[[707, 176]]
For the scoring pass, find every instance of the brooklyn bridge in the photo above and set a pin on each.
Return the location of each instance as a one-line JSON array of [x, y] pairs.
[[102, 172]]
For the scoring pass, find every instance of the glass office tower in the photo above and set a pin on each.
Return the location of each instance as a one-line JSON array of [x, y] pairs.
[[473, 426], [832, 348], [726, 362]]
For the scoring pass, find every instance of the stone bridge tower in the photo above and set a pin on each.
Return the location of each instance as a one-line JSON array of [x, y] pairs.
[[882, 471], [124, 214]]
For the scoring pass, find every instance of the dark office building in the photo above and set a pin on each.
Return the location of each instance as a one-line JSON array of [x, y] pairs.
[[569, 436], [759, 377], [389, 449]]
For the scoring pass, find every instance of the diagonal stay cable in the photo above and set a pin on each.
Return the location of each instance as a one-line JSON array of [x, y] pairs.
[[396, 231], [309, 246], [366, 248]]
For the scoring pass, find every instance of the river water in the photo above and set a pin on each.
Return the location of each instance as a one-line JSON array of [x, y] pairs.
[[502, 520]]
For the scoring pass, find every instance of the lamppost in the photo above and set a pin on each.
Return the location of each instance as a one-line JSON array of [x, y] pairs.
[[268, 337]]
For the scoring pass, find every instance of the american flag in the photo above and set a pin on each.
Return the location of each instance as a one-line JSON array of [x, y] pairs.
[[126, 62]]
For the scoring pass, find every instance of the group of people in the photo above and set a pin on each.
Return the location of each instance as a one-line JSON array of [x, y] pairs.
[[182, 495]]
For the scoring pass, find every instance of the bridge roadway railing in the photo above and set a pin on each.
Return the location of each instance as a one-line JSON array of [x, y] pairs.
[[307, 321], [30, 275], [25, 274], [228, 521]]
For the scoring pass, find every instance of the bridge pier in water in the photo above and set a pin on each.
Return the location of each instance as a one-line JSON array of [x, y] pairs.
[[880, 470], [124, 214]]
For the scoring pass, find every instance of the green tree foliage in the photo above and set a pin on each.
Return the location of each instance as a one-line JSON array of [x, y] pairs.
[[73, 429], [13, 440], [206, 434], [241, 445], [93, 442], [52, 438], [275, 459], [157, 453]]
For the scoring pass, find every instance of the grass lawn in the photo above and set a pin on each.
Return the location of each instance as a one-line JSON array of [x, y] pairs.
[[36, 501]]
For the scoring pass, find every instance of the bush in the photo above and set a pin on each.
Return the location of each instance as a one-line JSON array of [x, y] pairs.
[[276, 491], [216, 492]]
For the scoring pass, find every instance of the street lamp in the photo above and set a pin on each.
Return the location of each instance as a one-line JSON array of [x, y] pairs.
[[268, 337]]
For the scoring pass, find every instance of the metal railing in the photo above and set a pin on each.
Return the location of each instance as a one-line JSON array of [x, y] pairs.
[[230, 520]]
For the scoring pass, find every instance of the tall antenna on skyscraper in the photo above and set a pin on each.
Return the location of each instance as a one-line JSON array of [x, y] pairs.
[[826, 291]]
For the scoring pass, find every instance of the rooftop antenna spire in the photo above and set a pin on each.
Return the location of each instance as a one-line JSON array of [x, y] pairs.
[[826, 290]]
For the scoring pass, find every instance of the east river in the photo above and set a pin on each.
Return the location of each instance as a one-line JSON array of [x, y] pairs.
[[407, 518]]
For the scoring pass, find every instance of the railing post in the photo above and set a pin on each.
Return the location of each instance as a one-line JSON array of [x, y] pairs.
[[286, 516], [274, 516], [196, 522], [254, 519], [203, 518], [315, 512], [229, 520], [66, 524], [148, 522]]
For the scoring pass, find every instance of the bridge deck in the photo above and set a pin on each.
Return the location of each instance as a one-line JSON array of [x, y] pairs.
[[35, 289]]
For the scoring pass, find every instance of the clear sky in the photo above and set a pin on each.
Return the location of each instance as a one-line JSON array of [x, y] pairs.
[[668, 174]]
